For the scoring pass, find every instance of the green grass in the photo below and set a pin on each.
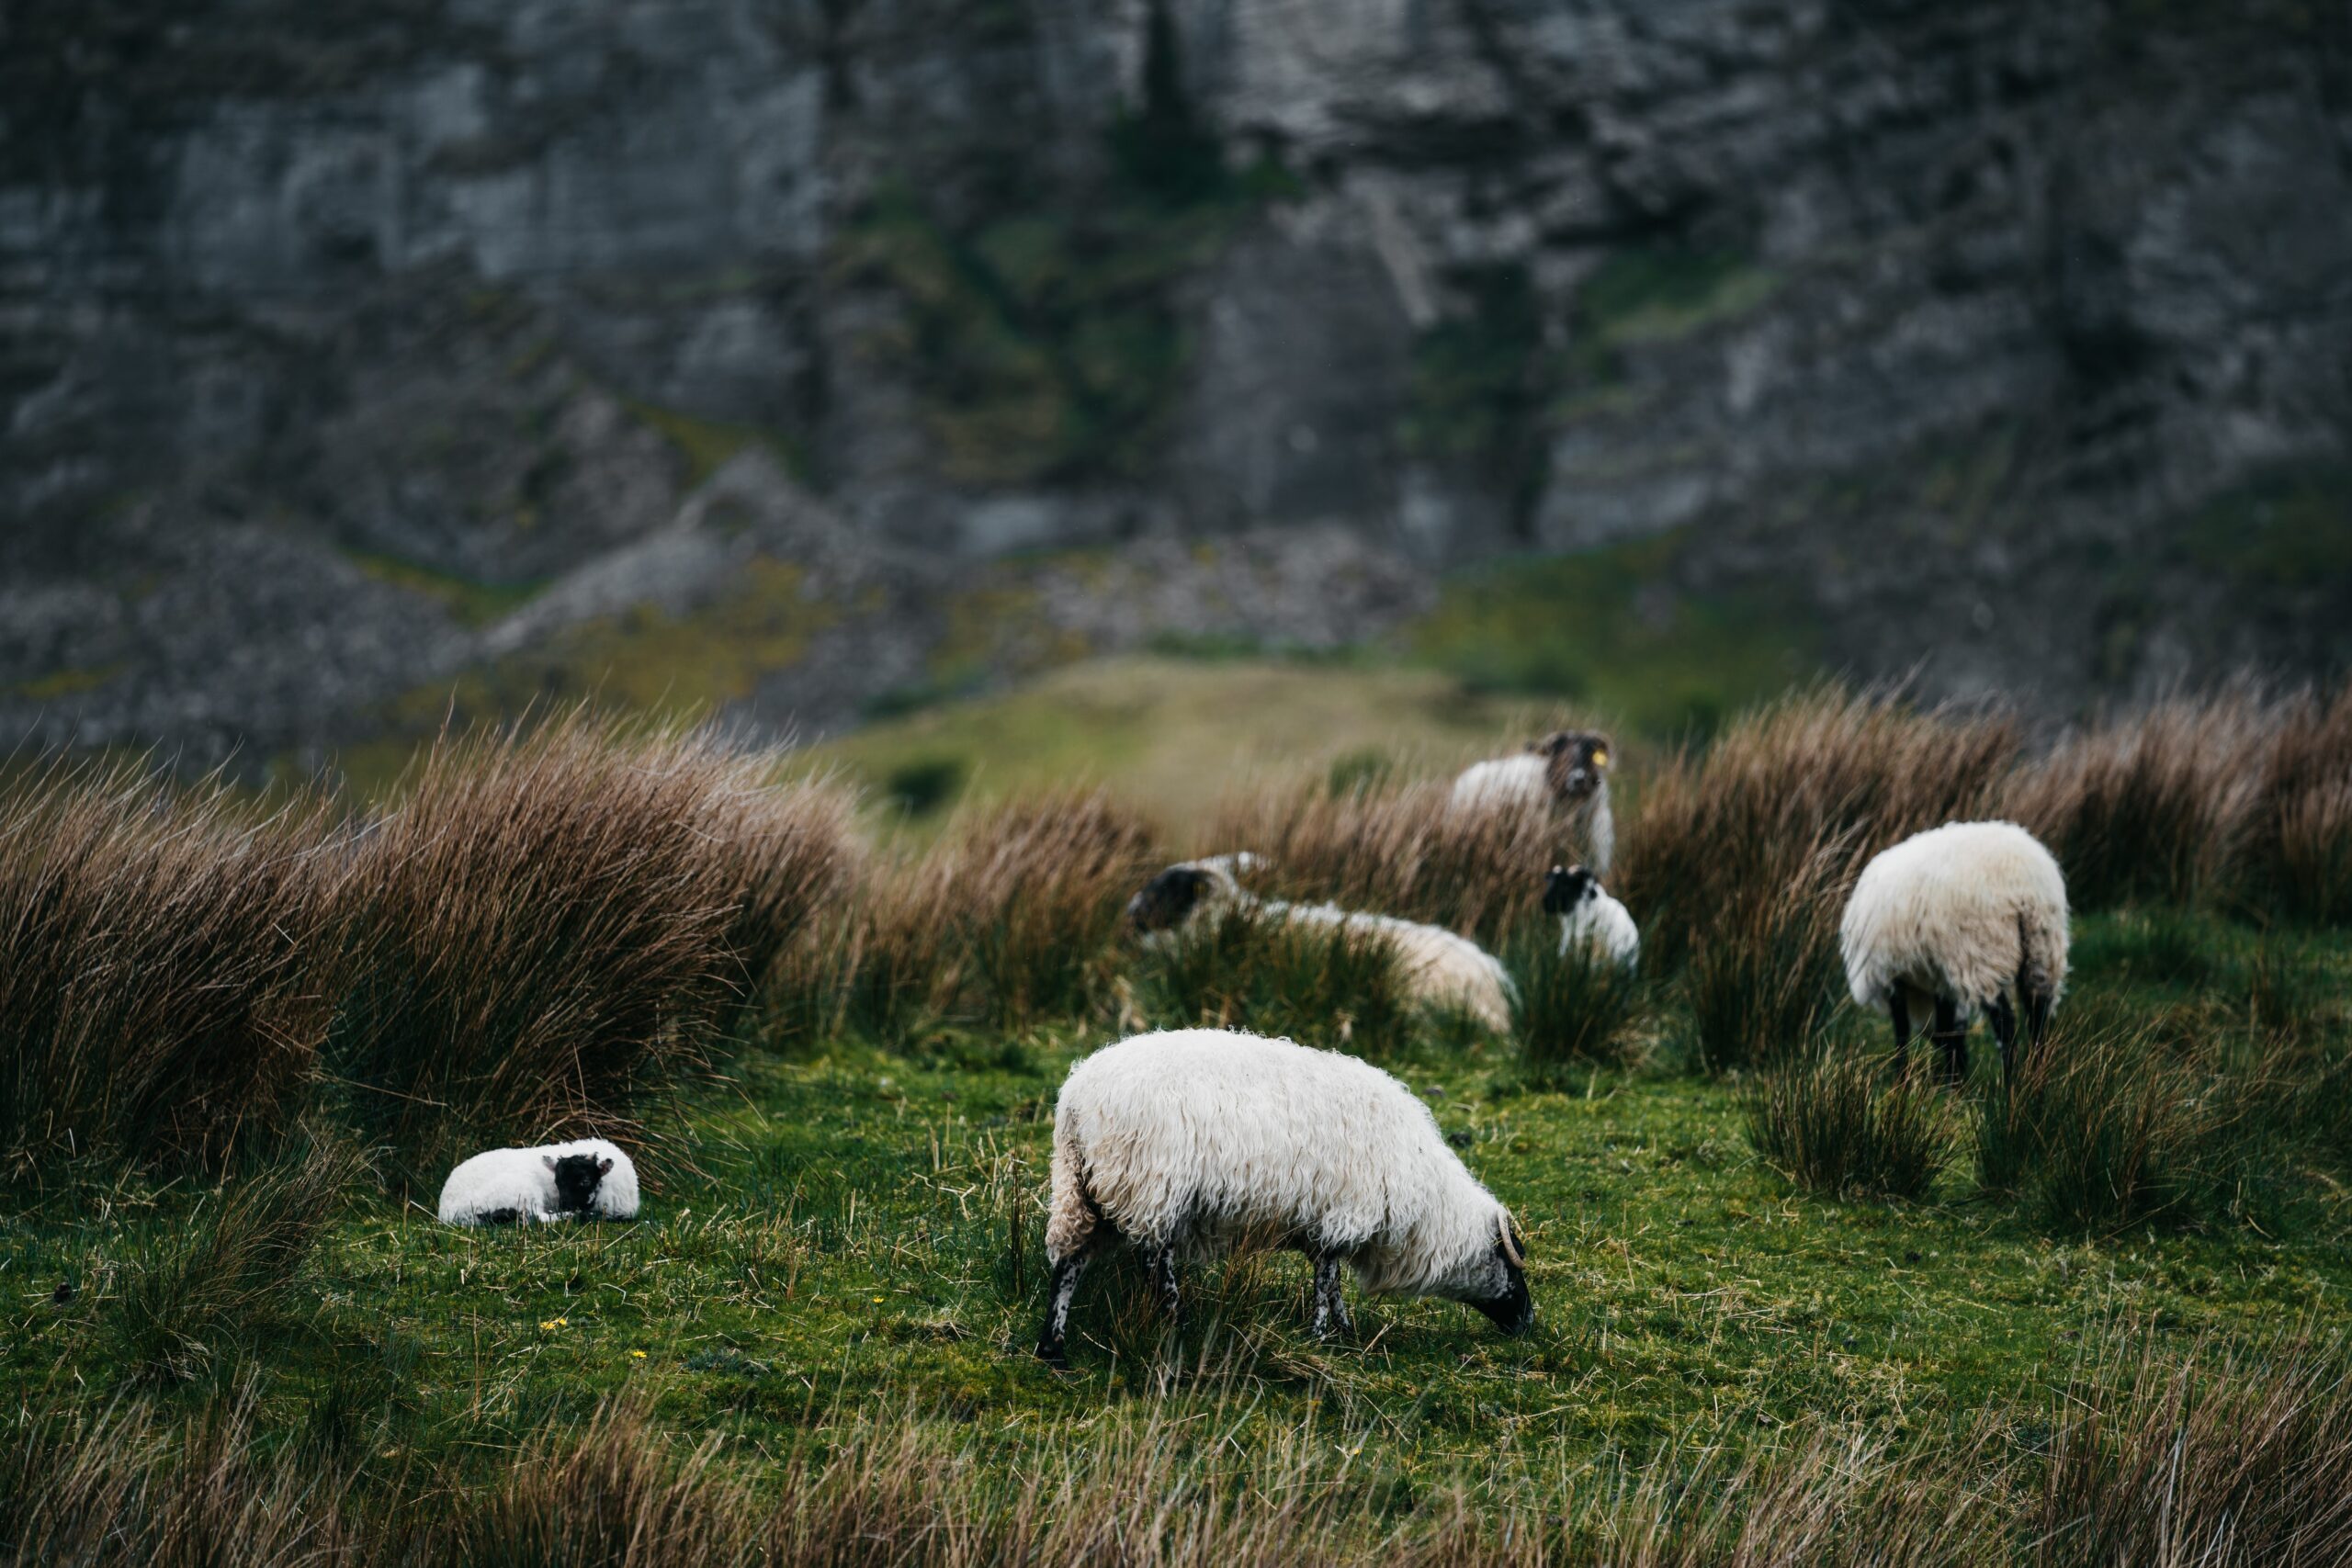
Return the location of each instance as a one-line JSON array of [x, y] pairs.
[[852, 1238], [1607, 629]]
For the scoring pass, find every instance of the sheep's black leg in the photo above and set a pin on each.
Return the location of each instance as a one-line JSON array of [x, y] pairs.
[[2036, 1000], [1951, 1039], [1161, 1260], [1900, 1010], [2005, 1029], [1330, 1305], [1059, 1291]]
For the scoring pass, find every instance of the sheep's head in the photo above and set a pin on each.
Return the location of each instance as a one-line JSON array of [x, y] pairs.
[[1563, 890], [1576, 761], [577, 1177], [1496, 1281], [1177, 894]]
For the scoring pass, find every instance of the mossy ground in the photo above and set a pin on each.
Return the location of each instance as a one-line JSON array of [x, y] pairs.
[[846, 1237]]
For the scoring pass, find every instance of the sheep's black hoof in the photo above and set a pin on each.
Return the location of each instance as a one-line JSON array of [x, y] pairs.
[[1054, 1356]]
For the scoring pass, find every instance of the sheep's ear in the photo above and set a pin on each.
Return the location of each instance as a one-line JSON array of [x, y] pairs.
[[605, 1166], [547, 1160]]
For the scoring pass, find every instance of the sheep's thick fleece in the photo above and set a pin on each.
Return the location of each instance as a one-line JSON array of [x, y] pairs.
[[1956, 912], [517, 1182], [1204, 1140]]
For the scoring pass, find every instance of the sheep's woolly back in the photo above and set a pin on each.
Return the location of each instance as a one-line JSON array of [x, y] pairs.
[[1208, 1139], [1440, 967], [1525, 783], [1956, 912], [518, 1182], [1503, 782]]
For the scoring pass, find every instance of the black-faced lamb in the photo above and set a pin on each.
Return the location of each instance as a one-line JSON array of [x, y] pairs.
[[1439, 967], [1952, 919], [587, 1178], [1195, 1142], [1568, 771], [1589, 918]]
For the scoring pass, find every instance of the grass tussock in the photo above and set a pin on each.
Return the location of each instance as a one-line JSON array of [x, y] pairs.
[[2113, 1123], [2299, 834], [1328, 986], [166, 968], [1576, 1010], [792, 853], [1761, 986], [536, 934], [2150, 807], [1006, 921], [202, 1290], [1834, 1125], [2241, 1460], [123, 1487]]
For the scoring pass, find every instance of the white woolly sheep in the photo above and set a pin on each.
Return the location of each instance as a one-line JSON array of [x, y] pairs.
[[1589, 918], [1440, 967], [585, 1179], [1195, 1142], [1952, 918], [1568, 770]]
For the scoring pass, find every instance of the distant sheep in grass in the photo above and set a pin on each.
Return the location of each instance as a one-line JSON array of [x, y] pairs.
[[1952, 918], [1589, 918], [1440, 967], [1194, 1142], [588, 1179], [1568, 770]]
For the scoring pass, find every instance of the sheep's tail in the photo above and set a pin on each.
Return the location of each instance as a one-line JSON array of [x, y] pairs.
[[2042, 954], [1071, 1212]]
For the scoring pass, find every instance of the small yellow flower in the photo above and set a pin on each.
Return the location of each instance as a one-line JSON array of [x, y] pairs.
[[552, 1324], [878, 1301], [639, 1355]]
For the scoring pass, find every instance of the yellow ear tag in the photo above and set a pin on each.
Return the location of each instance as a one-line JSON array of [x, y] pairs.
[[1600, 758]]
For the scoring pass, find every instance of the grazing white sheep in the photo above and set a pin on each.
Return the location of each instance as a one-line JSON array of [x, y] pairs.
[[1439, 967], [1194, 1142], [1952, 918], [1589, 918], [585, 1179], [1568, 770]]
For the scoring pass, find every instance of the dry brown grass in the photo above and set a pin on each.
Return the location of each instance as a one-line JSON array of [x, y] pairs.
[[2208, 1461], [2142, 1455], [165, 970], [2154, 805], [538, 935], [2299, 834], [124, 1488], [1007, 919]]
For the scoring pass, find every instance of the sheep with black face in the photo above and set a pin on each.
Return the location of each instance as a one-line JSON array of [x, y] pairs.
[[585, 1179], [1589, 918], [1440, 967], [1566, 772], [1190, 1144]]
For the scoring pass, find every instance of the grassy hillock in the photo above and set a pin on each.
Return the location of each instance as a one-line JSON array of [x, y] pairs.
[[1789, 1310]]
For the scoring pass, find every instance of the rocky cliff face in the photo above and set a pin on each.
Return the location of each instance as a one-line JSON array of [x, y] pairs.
[[346, 348]]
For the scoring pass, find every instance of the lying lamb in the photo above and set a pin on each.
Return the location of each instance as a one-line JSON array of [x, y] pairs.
[[1589, 918], [1440, 967], [1194, 1142], [1568, 770], [1951, 918], [585, 1179]]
